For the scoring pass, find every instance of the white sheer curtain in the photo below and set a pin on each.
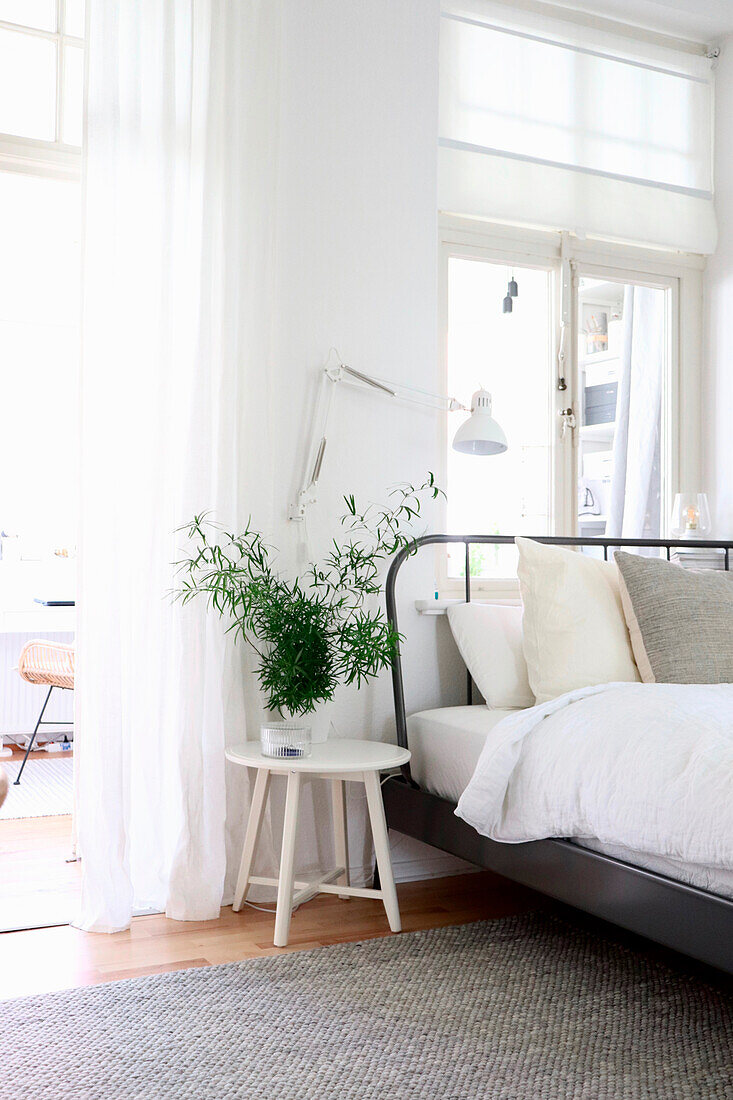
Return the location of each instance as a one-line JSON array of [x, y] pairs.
[[634, 509], [179, 185]]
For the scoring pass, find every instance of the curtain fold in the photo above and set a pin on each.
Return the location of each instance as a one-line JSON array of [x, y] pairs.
[[180, 185], [634, 509]]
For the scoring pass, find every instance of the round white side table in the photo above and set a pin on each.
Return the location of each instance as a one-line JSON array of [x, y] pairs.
[[339, 761]]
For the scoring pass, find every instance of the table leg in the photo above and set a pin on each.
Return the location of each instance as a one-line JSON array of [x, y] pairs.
[[287, 858], [341, 841], [381, 848], [254, 824]]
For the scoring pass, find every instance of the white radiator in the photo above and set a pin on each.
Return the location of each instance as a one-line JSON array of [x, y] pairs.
[[20, 703]]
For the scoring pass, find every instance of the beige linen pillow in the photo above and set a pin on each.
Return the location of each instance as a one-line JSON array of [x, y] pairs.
[[575, 633], [680, 620]]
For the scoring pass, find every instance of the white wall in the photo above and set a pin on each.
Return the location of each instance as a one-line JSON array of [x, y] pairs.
[[357, 255], [718, 297]]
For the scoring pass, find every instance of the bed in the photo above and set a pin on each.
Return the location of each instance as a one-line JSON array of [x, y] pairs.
[[685, 904]]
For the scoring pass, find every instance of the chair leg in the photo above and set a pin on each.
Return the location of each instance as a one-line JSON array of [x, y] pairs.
[[33, 735]]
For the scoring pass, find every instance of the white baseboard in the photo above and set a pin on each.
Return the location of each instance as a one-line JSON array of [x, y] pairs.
[[414, 870], [439, 867], [412, 860]]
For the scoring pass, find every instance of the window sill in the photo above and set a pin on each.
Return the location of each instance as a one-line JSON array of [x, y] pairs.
[[441, 605], [434, 607]]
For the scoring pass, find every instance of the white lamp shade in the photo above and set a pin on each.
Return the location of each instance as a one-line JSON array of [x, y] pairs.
[[479, 434]]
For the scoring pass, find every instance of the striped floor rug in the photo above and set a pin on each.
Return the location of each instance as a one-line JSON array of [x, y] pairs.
[[45, 790]]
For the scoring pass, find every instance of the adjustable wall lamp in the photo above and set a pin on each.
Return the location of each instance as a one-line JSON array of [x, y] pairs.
[[479, 434]]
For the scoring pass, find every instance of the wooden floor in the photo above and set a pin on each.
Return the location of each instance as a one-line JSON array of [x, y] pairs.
[[38, 885], [45, 959]]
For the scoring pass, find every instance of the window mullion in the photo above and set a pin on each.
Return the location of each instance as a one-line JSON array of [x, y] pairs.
[[32, 32], [563, 400], [59, 65]]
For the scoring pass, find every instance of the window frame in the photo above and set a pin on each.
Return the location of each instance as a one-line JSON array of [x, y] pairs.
[[569, 257], [46, 159], [32, 155]]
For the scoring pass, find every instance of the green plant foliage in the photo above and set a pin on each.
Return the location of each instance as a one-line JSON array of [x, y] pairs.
[[314, 632]]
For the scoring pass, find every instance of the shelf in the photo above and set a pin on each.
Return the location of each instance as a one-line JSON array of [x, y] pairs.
[[38, 621], [435, 607], [605, 293], [599, 357], [598, 433]]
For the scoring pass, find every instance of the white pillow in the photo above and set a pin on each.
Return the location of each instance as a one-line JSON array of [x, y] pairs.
[[489, 637], [574, 629]]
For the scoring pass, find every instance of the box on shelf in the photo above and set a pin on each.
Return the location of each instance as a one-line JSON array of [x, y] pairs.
[[599, 403], [597, 465], [601, 374]]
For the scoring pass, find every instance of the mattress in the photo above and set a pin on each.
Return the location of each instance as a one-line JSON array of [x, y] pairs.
[[446, 745]]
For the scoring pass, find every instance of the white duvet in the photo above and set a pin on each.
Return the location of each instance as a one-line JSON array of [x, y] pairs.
[[646, 766]]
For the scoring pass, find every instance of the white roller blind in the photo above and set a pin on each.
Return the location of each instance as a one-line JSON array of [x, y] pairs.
[[547, 122]]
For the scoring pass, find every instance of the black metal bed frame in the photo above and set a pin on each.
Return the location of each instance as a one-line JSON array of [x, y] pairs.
[[685, 918]]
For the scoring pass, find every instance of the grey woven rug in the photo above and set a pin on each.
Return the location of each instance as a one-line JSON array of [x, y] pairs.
[[526, 1008]]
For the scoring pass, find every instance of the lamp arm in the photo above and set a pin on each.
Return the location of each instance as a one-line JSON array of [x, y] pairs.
[[316, 446], [403, 392], [329, 378]]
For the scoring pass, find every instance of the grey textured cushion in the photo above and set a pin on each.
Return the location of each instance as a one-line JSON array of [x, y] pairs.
[[680, 621]]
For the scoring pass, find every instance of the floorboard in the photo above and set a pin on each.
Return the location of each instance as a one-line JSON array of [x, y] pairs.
[[40, 887], [44, 959], [39, 884]]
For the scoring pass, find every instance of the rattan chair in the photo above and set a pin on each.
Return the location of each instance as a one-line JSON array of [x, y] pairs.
[[52, 665]]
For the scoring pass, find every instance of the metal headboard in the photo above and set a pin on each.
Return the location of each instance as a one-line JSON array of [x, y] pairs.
[[504, 540]]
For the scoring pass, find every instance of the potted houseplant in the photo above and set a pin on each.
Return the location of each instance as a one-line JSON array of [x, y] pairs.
[[315, 631]]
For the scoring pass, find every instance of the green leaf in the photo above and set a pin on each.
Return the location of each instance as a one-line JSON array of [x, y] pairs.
[[309, 634]]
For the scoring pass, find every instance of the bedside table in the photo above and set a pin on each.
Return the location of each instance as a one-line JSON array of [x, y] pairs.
[[339, 761]]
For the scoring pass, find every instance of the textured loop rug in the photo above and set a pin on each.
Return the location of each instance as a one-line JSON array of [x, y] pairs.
[[46, 789], [526, 1008]]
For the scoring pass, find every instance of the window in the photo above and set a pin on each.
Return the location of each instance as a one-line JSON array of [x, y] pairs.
[[585, 372], [41, 84], [548, 120], [623, 363], [510, 354], [41, 96], [39, 335]]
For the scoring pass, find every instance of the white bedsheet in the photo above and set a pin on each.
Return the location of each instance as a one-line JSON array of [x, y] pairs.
[[717, 880], [648, 767], [446, 745]]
